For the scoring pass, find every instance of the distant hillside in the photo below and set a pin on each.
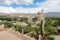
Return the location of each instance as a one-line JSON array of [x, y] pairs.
[[49, 14], [52, 14]]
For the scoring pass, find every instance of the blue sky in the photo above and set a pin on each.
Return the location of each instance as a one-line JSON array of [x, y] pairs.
[[14, 5], [34, 6]]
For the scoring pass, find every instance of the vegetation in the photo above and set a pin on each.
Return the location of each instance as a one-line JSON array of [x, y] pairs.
[[8, 24], [50, 24], [50, 38]]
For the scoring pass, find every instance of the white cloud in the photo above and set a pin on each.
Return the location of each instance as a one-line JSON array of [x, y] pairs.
[[28, 10], [2, 1], [9, 2], [23, 1], [50, 5], [7, 10], [18, 10]]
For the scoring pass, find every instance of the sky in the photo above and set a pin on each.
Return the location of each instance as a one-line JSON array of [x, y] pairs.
[[29, 6]]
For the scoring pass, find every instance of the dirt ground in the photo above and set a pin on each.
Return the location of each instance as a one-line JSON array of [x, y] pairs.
[[12, 35], [56, 37], [7, 36]]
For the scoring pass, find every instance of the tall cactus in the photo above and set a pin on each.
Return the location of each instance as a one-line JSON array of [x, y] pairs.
[[42, 27], [29, 19]]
